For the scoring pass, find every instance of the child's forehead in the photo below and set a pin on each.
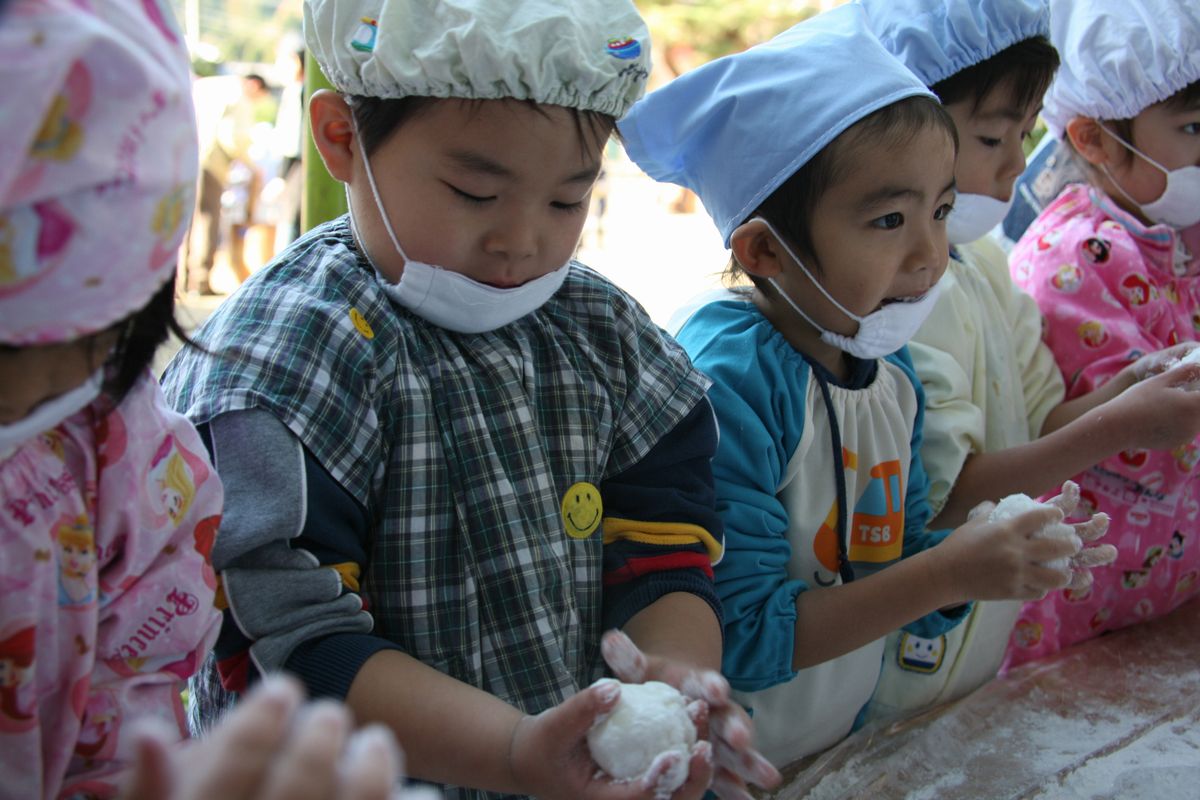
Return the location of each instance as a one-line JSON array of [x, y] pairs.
[[871, 168], [1002, 102]]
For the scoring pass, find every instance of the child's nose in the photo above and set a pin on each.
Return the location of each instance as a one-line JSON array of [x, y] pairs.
[[1014, 163], [930, 250], [514, 237]]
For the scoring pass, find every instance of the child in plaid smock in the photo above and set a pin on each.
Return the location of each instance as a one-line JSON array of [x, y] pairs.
[[446, 482]]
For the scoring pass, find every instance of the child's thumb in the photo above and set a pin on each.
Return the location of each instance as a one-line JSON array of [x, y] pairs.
[[592, 705], [574, 717]]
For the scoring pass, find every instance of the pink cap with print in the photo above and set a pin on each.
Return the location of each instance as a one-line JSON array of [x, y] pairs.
[[98, 162]]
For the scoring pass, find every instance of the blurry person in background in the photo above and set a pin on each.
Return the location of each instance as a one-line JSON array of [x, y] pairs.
[[226, 170]]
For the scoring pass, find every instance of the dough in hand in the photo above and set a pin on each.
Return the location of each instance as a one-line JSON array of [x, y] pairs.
[[1016, 504], [649, 719]]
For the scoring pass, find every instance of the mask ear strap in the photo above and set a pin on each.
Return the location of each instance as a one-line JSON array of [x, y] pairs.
[[1135, 151], [795, 306], [810, 277], [387, 223], [1112, 179]]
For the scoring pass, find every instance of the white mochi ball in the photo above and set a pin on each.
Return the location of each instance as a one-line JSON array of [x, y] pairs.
[[649, 719], [1016, 504]]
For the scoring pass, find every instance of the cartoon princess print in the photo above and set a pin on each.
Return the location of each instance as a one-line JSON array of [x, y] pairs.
[[1092, 334], [1027, 633], [174, 475], [1175, 549], [16, 658], [98, 727], [1067, 279], [29, 237], [76, 561], [1096, 250]]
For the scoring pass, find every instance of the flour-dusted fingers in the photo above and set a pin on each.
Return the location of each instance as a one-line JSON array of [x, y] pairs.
[[1067, 498], [307, 766], [623, 657], [1099, 556], [1092, 529], [371, 766]]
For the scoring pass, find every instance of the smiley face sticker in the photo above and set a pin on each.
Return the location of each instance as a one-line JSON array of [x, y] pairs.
[[361, 324], [582, 510]]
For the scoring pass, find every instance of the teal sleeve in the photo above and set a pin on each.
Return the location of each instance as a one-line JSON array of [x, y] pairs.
[[758, 400], [917, 512]]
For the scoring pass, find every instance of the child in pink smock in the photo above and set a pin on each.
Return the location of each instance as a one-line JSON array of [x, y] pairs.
[[108, 503], [1115, 268]]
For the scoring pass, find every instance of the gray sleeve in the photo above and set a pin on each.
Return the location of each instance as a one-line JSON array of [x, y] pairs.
[[278, 575]]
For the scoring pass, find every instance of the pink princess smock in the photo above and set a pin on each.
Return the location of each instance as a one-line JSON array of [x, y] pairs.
[[1112, 289], [106, 592]]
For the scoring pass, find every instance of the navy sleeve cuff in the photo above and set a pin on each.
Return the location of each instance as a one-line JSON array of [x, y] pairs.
[[624, 601], [329, 665]]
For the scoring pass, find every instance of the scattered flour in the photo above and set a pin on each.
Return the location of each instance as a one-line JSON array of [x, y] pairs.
[[649, 720], [1016, 504]]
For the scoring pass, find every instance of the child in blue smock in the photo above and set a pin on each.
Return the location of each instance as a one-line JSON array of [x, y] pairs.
[[828, 168]]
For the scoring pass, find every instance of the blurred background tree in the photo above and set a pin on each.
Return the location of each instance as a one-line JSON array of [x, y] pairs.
[[715, 28], [688, 31], [235, 30]]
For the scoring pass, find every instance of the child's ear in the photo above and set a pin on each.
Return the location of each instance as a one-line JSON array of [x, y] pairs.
[[333, 132], [756, 249], [1089, 140]]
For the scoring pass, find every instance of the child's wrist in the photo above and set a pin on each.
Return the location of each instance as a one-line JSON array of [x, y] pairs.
[[1106, 425], [943, 577], [514, 779]]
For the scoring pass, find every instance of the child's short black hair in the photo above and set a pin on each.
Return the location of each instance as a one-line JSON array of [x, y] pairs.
[[1025, 69], [790, 208], [379, 118]]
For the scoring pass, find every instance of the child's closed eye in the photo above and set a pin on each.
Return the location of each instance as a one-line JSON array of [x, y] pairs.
[[569, 208], [988, 141], [467, 196]]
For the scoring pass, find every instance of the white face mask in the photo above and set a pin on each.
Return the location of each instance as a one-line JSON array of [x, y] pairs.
[[973, 216], [47, 415], [1179, 204], [881, 332], [450, 299]]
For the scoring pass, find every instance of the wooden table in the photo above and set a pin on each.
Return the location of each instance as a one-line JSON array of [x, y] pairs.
[[1116, 717]]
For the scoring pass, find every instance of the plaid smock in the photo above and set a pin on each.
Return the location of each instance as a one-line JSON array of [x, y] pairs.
[[461, 447]]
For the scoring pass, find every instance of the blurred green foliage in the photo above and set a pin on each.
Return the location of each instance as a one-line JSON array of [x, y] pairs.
[[1035, 136], [714, 28], [236, 30]]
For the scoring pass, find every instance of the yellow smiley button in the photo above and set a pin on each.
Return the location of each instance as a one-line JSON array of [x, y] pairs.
[[360, 322], [582, 510]]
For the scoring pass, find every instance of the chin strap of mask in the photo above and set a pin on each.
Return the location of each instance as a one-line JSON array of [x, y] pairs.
[[839, 472]]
